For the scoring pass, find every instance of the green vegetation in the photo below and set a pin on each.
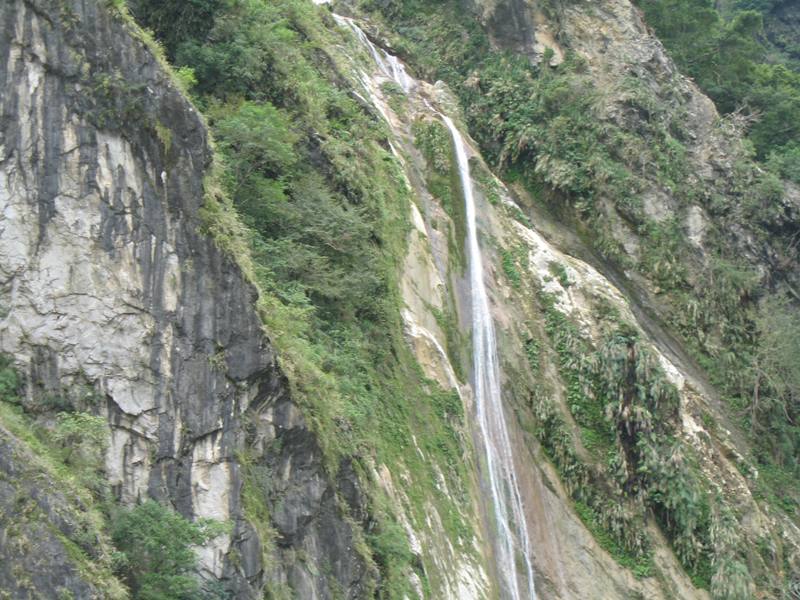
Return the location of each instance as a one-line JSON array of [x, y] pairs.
[[532, 352], [727, 59], [157, 559], [73, 446], [743, 340], [600, 500], [516, 263], [152, 549], [69, 456], [325, 224], [487, 182], [391, 551], [82, 440], [256, 487], [547, 128], [442, 180], [641, 565], [559, 271], [456, 345], [9, 382], [82, 437], [628, 413], [731, 579], [510, 268], [176, 22], [574, 356], [395, 96]]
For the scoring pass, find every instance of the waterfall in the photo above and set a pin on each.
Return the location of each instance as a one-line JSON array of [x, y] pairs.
[[512, 529], [387, 63], [512, 544]]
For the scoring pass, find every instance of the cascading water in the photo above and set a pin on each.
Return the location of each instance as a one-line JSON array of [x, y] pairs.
[[509, 515], [512, 542], [389, 64]]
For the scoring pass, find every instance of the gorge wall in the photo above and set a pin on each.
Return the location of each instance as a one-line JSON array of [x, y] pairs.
[[132, 288]]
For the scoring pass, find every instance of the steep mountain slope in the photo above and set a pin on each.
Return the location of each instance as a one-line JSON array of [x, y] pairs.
[[277, 337], [621, 147]]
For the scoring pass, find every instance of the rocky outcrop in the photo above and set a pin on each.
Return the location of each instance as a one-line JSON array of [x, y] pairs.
[[107, 279], [42, 524], [626, 62]]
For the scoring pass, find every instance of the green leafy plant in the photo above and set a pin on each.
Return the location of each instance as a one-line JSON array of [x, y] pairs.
[[9, 381], [560, 272], [510, 268], [157, 559]]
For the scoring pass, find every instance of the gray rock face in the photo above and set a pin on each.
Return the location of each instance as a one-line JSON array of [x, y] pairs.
[[107, 279]]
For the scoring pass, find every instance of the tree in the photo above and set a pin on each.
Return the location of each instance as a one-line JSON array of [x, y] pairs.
[[175, 21], [156, 544], [728, 60], [256, 138]]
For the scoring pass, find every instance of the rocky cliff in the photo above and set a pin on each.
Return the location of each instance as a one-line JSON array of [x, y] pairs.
[[620, 162], [110, 283]]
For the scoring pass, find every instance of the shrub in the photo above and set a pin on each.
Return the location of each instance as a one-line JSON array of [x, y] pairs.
[[157, 559], [82, 437], [9, 380]]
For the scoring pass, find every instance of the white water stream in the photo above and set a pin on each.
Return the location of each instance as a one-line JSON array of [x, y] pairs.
[[512, 529], [513, 553], [389, 64]]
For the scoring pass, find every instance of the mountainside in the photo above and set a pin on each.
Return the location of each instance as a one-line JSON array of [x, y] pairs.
[[465, 299]]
